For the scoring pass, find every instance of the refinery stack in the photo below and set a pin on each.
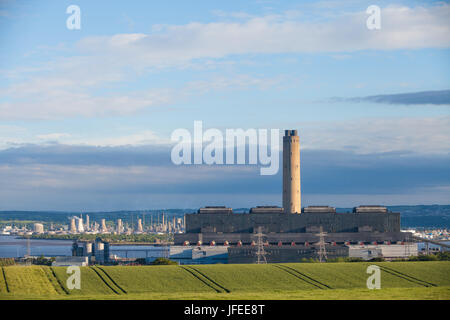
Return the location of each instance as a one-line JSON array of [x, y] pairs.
[[119, 226], [103, 227]]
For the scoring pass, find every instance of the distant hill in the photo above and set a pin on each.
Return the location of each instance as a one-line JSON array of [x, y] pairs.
[[437, 216], [420, 216], [424, 216]]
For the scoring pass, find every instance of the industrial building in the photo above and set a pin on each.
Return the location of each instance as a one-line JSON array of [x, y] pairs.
[[292, 233], [38, 228], [70, 261], [198, 254], [97, 251]]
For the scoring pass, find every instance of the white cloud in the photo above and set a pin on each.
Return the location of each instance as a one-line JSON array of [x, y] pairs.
[[55, 98], [140, 138], [402, 28], [12, 136], [49, 101], [68, 89], [53, 136]]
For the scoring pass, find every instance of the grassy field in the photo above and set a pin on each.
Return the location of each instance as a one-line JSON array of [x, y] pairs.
[[399, 280]]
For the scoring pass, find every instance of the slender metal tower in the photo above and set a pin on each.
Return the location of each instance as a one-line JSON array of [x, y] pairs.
[[260, 253], [291, 172], [322, 253]]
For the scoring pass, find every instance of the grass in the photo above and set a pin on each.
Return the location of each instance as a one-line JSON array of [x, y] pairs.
[[161, 279], [253, 278], [438, 293], [439, 274], [353, 275], [91, 283], [28, 281], [399, 280], [3, 289]]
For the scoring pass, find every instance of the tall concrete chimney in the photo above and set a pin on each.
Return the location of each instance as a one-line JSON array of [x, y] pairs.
[[291, 173]]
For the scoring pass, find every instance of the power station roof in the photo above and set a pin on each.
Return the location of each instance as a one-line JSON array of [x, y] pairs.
[[215, 209], [267, 209]]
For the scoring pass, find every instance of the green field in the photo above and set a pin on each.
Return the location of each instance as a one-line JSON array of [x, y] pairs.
[[399, 280]]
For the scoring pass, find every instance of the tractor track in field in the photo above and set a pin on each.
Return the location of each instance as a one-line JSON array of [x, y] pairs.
[[104, 281], [303, 277], [59, 281], [112, 280], [206, 280], [407, 277], [51, 275], [6, 282]]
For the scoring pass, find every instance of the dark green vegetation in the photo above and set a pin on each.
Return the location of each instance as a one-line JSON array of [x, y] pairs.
[[7, 262], [439, 256], [164, 261], [399, 280]]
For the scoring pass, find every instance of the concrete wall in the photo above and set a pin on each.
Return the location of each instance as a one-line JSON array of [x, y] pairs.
[[393, 251], [70, 261], [199, 254]]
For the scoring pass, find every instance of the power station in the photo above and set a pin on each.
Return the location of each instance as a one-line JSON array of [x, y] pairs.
[[291, 233]]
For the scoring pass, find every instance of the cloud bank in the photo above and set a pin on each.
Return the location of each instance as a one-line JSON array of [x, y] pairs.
[[88, 178], [437, 97], [66, 86]]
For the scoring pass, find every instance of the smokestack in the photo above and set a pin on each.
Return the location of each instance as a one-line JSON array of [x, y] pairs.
[[73, 228], [80, 227], [119, 226], [103, 227], [291, 172]]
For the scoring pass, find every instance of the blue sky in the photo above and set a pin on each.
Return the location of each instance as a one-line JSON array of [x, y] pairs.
[[371, 106]]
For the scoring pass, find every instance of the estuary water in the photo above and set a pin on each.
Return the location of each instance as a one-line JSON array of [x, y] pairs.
[[14, 247]]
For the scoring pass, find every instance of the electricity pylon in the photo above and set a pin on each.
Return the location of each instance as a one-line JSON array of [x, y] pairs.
[[322, 249], [260, 253]]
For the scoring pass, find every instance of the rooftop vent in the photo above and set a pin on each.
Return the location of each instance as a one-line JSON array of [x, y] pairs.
[[267, 209], [215, 209], [314, 209], [370, 208]]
